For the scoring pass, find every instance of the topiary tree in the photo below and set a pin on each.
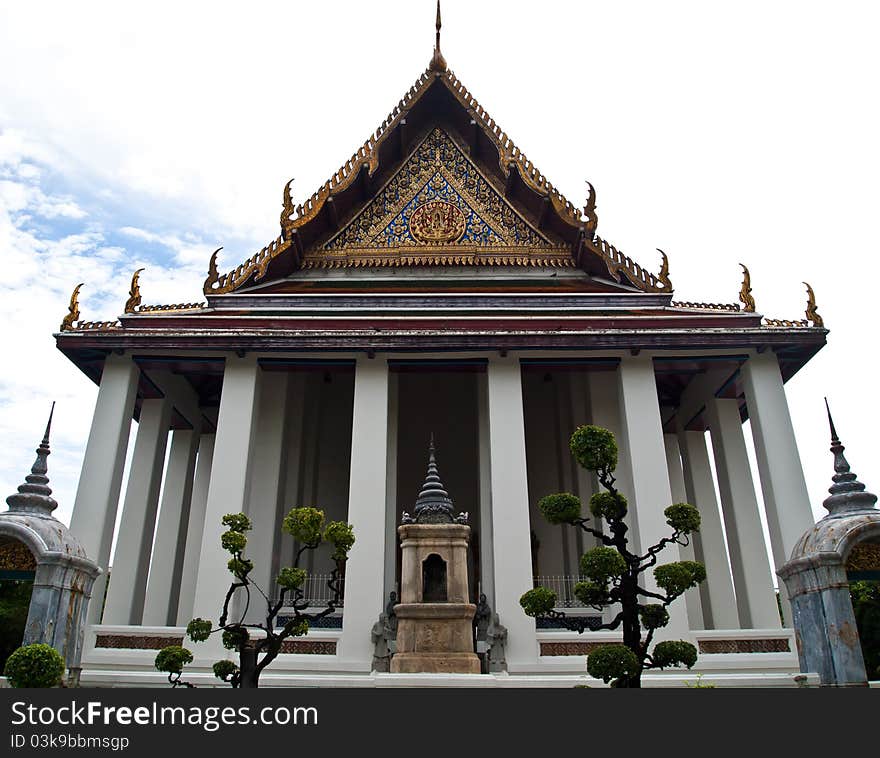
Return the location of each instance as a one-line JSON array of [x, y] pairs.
[[36, 665], [613, 572], [171, 660], [255, 652]]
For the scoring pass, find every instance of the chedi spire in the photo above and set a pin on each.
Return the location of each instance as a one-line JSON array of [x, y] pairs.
[[34, 495], [847, 493], [433, 505]]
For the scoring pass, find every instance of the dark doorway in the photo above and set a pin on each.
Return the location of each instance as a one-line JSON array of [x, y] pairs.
[[434, 580]]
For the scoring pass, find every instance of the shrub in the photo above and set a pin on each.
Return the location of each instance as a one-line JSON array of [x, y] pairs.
[[237, 522], [674, 653], [602, 564], [224, 670], [675, 578], [683, 517], [36, 665], [561, 508], [198, 630], [304, 524], [594, 448], [590, 593], [612, 662], [172, 659], [608, 505], [538, 601], [290, 578], [232, 541], [653, 615], [341, 536], [234, 638]]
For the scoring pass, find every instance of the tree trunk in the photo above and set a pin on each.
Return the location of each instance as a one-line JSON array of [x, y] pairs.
[[250, 674]]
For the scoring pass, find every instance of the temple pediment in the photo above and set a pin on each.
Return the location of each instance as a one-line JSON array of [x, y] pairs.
[[438, 207]]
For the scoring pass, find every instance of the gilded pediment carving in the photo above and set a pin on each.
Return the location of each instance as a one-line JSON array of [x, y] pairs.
[[437, 198]]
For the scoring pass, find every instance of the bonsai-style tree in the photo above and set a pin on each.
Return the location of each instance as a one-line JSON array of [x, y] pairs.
[[171, 660], [613, 572], [256, 651]]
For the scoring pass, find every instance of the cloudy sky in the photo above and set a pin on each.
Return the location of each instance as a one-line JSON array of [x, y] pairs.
[[149, 134]]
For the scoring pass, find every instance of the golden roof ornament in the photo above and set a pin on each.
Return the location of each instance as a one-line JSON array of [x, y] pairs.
[[590, 211], [438, 62], [812, 314], [72, 310], [213, 273], [745, 292], [664, 272], [134, 294], [288, 209]]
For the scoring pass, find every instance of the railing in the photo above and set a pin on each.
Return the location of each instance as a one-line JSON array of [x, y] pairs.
[[563, 586], [316, 592]]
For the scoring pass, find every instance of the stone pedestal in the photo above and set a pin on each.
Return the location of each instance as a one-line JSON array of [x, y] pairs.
[[434, 617]]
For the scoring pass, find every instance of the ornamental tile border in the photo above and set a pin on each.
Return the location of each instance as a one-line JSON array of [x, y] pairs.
[[309, 647], [133, 642], [569, 648], [745, 646]]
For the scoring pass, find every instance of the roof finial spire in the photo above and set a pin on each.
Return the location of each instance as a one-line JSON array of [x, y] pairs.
[[438, 62], [847, 493], [33, 496]]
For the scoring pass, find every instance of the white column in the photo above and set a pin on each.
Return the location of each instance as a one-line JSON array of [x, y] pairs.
[[786, 501], [651, 493], [391, 521], [510, 508], [679, 495], [227, 490], [282, 552], [131, 559], [487, 564], [97, 494], [605, 411], [266, 485], [720, 611], [364, 574], [194, 529], [756, 601], [163, 585]]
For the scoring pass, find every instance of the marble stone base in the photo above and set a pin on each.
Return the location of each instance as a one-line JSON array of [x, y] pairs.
[[435, 638]]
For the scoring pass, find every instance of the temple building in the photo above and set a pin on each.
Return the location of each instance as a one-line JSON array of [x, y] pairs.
[[437, 283]]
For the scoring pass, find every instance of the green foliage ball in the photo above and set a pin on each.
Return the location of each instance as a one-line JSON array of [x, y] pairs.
[[301, 628], [608, 505], [304, 524], [234, 638], [233, 542], [601, 564], [591, 593], [594, 448], [291, 578], [562, 508], [172, 659], [612, 662], [683, 517], [653, 615], [198, 630], [674, 653], [538, 602], [675, 578], [237, 522], [223, 670], [240, 567], [36, 665], [341, 536]]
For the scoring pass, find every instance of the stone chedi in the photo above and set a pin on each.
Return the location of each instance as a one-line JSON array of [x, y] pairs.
[[63, 575], [434, 633]]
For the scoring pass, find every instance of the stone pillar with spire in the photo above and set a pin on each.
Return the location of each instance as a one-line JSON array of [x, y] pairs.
[[816, 580], [63, 577], [434, 616]]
